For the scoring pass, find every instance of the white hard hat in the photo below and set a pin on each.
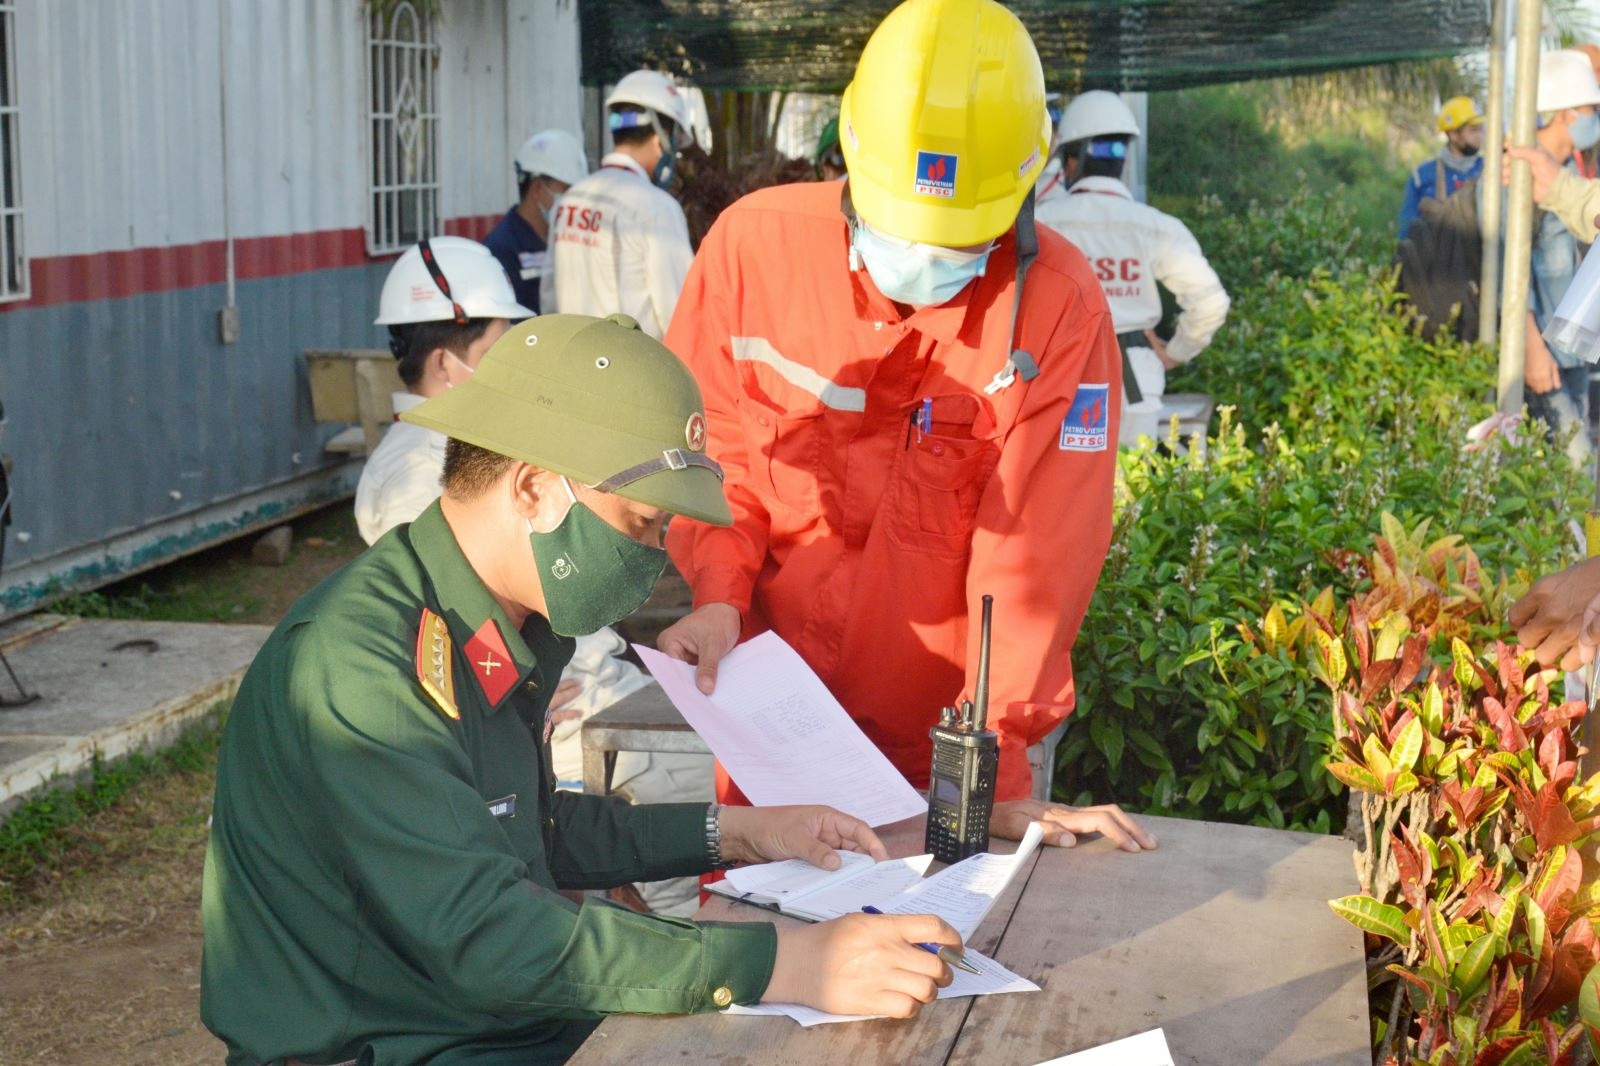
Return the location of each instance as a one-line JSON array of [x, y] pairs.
[[1096, 113], [1566, 79], [476, 282], [552, 154], [654, 91]]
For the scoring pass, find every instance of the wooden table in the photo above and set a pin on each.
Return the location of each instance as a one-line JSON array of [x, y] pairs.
[[1222, 937], [641, 721]]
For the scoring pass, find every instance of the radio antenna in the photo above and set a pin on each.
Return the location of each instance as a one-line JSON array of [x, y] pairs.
[[981, 693]]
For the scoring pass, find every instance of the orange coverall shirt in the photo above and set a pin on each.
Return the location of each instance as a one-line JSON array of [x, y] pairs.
[[867, 540]]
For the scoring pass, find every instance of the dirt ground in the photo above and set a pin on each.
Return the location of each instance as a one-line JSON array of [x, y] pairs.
[[100, 956]]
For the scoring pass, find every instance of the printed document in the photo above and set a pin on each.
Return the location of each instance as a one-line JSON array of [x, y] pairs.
[[963, 894], [798, 888], [783, 737], [1146, 1049], [992, 979]]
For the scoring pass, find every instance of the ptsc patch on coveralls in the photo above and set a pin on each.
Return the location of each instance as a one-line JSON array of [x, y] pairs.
[[1085, 427]]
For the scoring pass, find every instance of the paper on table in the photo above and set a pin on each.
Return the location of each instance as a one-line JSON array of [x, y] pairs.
[[782, 736], [964, 894], [882, 880], [1146, 1049], [793, 877], [991, 980]]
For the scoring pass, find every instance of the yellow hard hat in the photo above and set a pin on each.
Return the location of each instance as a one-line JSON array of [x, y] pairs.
[[1458, 111], [944, 127]]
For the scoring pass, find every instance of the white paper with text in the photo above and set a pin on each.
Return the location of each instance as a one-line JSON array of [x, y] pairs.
[[782, 736]]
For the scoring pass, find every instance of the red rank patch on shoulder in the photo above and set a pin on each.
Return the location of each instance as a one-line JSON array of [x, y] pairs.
[[491, 662]]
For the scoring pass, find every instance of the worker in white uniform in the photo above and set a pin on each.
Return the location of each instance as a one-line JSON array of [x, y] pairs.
[[444, 309], [445, 301], [1132, 247], [619, 241]]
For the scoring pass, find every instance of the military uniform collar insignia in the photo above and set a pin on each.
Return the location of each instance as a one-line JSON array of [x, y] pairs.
[[491, 662]]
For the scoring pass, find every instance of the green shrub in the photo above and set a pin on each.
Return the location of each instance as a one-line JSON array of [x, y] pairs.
[[1333, 349], [1177, 713]]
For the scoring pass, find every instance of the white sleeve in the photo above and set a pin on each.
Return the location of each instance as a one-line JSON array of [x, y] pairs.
[[1182, 268], [667, 258], [405, 490], [547, 283]]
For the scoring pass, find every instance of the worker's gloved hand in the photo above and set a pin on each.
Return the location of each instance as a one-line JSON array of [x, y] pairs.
[[702, 637], [862, 964], [1062, 824], [810, 832], [1559, 618]]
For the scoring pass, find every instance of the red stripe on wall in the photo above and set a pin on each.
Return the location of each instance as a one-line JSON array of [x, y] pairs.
[[116, 275], [475, 226]]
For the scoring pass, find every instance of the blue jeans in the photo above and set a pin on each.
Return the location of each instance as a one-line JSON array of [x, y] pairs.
[[1562, 408]]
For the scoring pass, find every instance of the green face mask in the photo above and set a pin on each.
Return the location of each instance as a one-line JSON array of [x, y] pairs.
[[592, 574]]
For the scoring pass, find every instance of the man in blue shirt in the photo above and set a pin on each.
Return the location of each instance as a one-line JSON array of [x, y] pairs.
[[547, 165], [1457, 162]]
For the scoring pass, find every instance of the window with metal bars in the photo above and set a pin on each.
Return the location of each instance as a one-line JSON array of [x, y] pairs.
[[13, 254], [402, 67]]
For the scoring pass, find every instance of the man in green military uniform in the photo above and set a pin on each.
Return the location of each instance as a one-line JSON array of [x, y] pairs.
[[387, 845]]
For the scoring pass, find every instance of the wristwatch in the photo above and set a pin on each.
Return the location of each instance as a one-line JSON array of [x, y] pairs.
[[714, 839]]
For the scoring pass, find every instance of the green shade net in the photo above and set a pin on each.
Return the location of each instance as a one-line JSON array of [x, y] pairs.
[[1109, 44]]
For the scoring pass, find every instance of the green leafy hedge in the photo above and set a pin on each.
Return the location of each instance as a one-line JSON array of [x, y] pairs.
[[1351, 415]]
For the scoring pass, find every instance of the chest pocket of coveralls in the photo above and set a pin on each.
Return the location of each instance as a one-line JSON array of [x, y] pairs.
[[784, 441], [931, 504]]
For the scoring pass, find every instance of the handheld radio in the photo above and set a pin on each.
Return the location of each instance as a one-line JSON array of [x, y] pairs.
[[965, 758]]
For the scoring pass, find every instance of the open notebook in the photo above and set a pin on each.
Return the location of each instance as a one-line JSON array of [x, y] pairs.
[[961, 894], [797, 888]]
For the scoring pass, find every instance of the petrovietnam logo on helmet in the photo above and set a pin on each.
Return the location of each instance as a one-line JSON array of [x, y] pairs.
[[936, 174]]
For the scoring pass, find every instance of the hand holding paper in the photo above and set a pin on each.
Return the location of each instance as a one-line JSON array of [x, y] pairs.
[[782, 736]]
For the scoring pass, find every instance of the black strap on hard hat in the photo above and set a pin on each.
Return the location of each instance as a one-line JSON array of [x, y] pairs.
[[670, 459], [439, 279]]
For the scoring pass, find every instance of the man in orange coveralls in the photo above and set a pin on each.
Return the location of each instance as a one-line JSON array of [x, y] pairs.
[[900, 432]]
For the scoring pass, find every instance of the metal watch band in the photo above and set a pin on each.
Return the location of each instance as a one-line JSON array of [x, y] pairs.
[[714, 839]]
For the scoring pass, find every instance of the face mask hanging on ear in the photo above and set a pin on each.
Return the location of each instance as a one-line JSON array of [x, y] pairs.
[[922, 275], [592, 574]]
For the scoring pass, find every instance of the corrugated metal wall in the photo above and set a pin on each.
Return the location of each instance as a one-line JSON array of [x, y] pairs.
[[137, 435]]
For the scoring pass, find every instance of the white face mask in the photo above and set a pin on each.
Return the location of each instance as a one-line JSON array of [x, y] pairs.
[[922, 275]]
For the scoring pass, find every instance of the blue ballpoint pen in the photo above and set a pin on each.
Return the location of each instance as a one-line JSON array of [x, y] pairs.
[[950, 956]]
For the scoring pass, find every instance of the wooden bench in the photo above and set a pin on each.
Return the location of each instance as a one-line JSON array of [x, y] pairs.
[[641, 721]]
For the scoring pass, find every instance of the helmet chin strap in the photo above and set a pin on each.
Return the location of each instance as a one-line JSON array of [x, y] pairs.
[[1019, 363]]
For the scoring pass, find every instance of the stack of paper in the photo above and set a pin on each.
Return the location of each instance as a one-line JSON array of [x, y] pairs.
[[782, 736], [965, 893], [805, 891], [993, 979]]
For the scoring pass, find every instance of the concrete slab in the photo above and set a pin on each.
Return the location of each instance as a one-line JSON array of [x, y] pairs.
[[108, 688]]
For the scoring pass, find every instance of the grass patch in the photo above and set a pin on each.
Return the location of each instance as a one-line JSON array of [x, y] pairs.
[[44, 835], [223, 584]]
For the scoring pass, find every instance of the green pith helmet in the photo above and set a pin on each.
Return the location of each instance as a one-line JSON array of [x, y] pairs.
[[596, 399]]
